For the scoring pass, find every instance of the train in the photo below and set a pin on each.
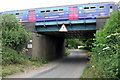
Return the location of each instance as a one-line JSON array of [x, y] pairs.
[[63, 13]]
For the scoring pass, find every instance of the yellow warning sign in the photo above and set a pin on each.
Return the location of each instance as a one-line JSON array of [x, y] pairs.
[[63, 28]]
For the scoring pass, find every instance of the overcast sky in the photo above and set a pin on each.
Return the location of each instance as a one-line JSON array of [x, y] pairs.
[[7, 5]]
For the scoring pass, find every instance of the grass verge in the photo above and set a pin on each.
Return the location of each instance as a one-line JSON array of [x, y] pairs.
[[13, 62], [15, 68], [88, 68]]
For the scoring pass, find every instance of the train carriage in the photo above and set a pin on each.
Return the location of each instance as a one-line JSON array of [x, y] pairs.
[[63, 13]]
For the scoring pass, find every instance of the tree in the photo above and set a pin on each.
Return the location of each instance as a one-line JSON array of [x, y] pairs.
[[14, 35]]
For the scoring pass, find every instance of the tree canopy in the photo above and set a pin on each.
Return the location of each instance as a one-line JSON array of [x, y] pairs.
[[14, 35]]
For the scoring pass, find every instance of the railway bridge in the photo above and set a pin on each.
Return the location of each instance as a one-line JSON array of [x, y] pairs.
[[50, 26], [48, 37]]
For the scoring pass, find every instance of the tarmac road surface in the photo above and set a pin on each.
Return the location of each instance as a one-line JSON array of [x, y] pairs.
[[70, 67]]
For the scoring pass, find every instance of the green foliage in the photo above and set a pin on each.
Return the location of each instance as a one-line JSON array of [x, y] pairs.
[[104, 61], [73, 43], [38, 60], [10, 56], [14, 34], [12, 69], [19, 61], [87, 44], [10, 72], [14, 38], [0, 23], [0, 36], [67, 53]]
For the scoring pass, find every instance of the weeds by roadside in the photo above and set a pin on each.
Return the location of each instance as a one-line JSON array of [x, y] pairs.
[[14, 68], [104, 63], [67, 53]]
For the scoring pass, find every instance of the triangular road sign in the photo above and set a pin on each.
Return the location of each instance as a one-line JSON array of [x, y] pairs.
[[63, 28]]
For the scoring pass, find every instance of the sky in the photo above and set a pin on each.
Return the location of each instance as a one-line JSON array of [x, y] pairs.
[[8, 5]]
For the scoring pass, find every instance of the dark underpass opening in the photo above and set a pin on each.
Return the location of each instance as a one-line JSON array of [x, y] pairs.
[[53, 45]]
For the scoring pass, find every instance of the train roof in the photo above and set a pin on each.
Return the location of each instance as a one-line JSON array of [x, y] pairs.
[[62, 6]]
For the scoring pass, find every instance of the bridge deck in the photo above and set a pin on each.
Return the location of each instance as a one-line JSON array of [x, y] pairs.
[[65, 22]]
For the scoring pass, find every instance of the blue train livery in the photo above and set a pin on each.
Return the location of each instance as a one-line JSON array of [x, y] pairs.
[[63, 13]]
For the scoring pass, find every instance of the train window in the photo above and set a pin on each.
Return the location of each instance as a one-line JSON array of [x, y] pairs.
[[110, 7], [55, 10], [17, 13], [86, 7], [101, 7], [60, 9], [86, 10], [48, 11], [92, 7], [58, 12], [45, 13], [61, 12], [42, 11]]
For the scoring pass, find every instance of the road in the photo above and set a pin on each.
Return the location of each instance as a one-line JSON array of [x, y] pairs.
[[70, 67]]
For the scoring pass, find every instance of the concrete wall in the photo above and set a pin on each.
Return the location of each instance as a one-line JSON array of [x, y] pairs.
[[100, 23], [47, 47], [29, 26]]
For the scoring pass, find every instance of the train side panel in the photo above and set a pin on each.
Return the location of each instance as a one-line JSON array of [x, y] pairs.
[[90, 11], [93, 11]]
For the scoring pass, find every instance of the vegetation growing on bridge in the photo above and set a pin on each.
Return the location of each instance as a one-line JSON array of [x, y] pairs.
[[104, 61], [14, 38]]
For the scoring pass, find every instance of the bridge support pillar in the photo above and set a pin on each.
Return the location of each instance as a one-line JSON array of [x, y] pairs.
[[47, 47]]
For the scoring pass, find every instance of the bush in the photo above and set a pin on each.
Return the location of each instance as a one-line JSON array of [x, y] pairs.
[[104, 61], [67, 53], [14, 35], [10, 56], [88, 44], [14, 39], [38, 60]]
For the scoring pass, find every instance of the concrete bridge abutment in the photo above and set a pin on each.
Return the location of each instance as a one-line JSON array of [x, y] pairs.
[[47, 47]]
